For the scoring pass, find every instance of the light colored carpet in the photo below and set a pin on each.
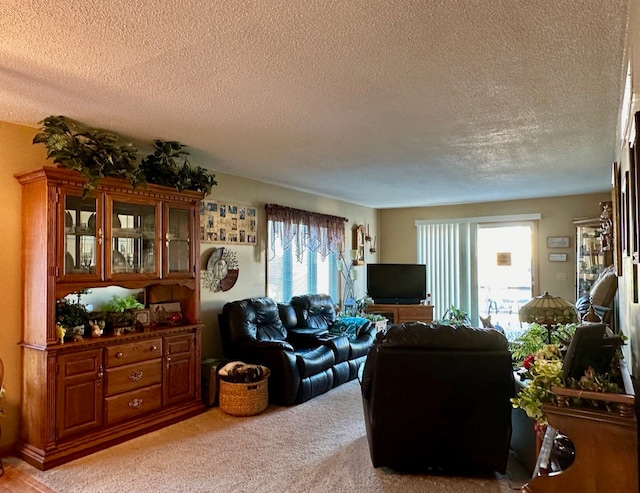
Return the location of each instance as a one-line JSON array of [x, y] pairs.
[[318, 446]]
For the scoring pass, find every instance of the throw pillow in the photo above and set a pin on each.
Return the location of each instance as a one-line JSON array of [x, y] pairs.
[[604, 289]]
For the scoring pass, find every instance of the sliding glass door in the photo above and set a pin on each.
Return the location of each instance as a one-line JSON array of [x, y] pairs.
[[481, 265], [505, 279]]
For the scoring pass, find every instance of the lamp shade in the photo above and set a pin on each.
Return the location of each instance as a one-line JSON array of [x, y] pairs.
[[548, 310]]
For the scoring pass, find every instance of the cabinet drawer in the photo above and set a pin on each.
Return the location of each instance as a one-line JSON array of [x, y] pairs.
[[134, 376], [417, 313], [131, 352], [133, 404]]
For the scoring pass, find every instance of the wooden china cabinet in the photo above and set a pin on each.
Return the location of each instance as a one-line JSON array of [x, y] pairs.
[[79, 397]]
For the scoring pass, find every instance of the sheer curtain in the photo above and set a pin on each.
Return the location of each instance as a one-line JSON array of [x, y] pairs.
[[304, 230], [303, 252]]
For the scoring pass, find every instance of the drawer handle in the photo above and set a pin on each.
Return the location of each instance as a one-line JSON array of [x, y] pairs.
[[135, 376], [119, 354], [154, 348], [135, 403]]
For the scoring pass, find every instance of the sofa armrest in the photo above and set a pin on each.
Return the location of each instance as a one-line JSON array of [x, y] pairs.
[[306, 339], [360, 347], [280, 358]]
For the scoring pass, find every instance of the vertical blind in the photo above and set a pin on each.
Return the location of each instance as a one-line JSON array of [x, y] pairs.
[[446, 248]]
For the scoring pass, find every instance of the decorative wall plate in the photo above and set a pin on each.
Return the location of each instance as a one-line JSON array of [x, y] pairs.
[[222, 270]]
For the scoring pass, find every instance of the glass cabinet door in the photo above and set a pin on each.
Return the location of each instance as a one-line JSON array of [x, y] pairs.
[[82, 236], [178, 226], [133, 229], [590, 257]]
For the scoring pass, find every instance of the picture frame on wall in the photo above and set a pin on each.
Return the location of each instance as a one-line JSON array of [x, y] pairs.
[[228, 222], [558, 241], [616, 221], [634, 192], [557, 257]]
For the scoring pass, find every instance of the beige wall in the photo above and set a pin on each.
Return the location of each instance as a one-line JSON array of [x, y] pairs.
[[17, 153], [398, 232]]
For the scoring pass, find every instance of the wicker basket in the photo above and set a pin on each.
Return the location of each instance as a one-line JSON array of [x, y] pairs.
[[244, 399]]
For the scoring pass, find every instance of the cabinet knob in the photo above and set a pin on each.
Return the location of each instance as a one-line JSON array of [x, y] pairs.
[[119, 354], [154, 348]]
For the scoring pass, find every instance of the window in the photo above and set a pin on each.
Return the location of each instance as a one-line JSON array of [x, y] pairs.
[[303, 253], [286, 277]]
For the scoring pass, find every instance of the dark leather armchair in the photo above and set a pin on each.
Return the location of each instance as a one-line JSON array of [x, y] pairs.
[[316, 313], [301, 367], [436, 398]]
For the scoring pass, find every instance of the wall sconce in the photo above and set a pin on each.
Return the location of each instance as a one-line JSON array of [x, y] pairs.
[[372, 242]]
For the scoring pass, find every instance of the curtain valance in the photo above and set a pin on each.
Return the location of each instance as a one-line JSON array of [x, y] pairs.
[[321, 233]]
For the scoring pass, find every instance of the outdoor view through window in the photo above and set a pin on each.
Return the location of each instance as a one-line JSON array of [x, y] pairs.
[[504, 274]]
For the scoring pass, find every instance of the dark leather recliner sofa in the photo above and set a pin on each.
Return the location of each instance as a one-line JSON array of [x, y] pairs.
[[295, 341], [436, 398]]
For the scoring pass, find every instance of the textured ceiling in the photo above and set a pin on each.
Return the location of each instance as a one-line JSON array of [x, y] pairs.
[[384, 103]]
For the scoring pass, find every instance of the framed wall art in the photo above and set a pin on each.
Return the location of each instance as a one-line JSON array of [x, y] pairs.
[[557, 241], [616, 220], [143, 316], [227, 222], [557, 257]]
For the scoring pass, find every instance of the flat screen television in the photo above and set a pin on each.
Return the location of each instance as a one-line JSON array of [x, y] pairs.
[[397, 283]]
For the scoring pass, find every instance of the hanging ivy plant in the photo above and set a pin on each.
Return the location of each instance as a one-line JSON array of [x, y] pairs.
[[93, 153]]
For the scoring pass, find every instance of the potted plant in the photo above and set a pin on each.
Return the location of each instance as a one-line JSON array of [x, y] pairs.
[[71, 316], [169, 165], [535, 338], [379, 321], [93, 153], [542, 369], [118, 312], [455, 316]]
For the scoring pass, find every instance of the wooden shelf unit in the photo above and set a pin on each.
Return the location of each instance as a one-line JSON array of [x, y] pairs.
[[398, 314], [80, 397]]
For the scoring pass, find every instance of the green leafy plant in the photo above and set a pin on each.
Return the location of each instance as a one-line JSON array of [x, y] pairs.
[[93, 153], [535, 338], [118, 311], [70, 314], [97, 154], [361, 309], [455, 316], [543, 370], [122, 303], [169, 165]]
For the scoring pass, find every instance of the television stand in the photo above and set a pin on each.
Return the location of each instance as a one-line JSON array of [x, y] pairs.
[[398, 314]]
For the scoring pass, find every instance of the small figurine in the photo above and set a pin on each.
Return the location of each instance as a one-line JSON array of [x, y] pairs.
[[60, 332], [96, 330]]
